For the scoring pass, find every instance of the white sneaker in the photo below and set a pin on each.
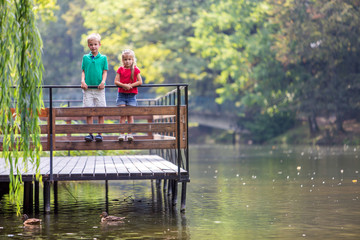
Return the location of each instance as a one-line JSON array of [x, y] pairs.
[[130, 137], [121, 137]]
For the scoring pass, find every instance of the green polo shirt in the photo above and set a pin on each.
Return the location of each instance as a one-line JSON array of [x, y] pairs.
[[94, 68]]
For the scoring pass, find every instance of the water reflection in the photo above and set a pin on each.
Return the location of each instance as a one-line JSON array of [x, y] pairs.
[[235, 193]]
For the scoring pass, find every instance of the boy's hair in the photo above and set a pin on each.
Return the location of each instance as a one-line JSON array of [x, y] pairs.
[[132, 54], [95, 36]]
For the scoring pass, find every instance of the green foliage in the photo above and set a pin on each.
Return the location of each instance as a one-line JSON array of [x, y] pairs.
[[62, 51], [21, 67], [318, 43], [264, 126], [157, 30], [261, 56]]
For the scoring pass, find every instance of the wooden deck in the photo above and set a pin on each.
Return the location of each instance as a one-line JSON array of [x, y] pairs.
[[77, 168], [160, 128]]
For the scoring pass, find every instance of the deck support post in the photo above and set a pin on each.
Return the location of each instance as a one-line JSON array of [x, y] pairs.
[[183, 197], [55, 196], [107, 195], [47, 196], [152, 191], [158, 184], [37, 202], [28, 197], [165, 185], [174, 192], [170, 187]]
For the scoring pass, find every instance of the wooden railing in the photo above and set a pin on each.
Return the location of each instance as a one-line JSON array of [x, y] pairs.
[[69, 128]]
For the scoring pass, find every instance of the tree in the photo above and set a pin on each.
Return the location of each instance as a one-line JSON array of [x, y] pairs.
[[236, 37], [318, 45], [62, 52], [156, 29], [21, 66]]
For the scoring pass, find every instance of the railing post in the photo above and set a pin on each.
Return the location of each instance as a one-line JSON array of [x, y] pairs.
[[178, 137], [51, 135], [187, 128]]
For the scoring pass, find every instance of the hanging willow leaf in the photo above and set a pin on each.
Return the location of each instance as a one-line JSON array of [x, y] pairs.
[[21, 66]]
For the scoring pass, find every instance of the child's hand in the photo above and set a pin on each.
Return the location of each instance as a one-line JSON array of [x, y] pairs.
[[127, 86], [101, 86], [84, 85]]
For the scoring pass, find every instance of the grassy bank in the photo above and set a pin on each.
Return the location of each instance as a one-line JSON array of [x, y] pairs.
[[328, 134], [300, 134]]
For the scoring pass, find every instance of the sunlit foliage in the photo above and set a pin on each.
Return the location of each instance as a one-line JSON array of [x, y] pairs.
[[22, 68]]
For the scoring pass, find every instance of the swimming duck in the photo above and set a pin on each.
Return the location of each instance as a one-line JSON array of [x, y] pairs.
[[30, 221], [106, 218]]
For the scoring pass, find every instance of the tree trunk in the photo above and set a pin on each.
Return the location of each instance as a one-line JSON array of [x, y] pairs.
[[314, 128], [339, 123]]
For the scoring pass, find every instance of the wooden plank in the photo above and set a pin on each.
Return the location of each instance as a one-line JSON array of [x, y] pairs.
[[171, 165], [183, 126], [145, 160], [110, 167], [70, 165], [83, 119], [121, 169], [99, 168], [89, 166], [81, 138], [159, 162], [79, 167], [115, 128], [116, 145], [45, 145], [115, 111], [60, 165], [144, 170], [44, 129], [45, 165], [132, 169]]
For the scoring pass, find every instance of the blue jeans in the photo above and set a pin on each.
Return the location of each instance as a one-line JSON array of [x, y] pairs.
[[128, 99]]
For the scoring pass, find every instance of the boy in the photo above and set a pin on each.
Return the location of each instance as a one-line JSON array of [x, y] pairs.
[[94, 72]]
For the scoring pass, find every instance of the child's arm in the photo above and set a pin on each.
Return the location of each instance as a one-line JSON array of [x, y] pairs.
[[104, 76], [119, 84], [83, 84], [138, 81]]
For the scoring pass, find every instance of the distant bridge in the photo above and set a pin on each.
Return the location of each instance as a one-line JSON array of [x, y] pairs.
[[216, 120], [206, 112]]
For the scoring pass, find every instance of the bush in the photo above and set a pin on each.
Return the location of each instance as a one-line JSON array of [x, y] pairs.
[[263, 127]]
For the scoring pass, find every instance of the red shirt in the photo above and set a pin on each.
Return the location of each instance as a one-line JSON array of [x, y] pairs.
[[125, 77]]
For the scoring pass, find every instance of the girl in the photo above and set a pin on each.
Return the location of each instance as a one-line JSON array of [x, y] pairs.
[[127, 79]]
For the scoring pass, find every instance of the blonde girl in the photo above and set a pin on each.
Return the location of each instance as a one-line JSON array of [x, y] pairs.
[[127, 79]]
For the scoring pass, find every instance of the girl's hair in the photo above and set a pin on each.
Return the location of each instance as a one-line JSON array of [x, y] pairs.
[[95, 36], [132, 54]]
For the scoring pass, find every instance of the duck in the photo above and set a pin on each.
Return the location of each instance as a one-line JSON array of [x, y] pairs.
[[30, 221], [106, 218]]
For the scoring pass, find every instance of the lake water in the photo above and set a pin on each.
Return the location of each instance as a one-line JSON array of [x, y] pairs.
[[246, 192]]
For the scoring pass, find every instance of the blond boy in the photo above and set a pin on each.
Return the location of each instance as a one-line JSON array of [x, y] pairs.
[[94, 72]]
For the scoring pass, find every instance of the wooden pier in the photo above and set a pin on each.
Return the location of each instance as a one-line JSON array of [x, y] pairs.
[[160, 128], [80, 168]]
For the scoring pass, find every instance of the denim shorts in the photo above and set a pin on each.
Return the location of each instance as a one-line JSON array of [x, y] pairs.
[[128, 99]]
